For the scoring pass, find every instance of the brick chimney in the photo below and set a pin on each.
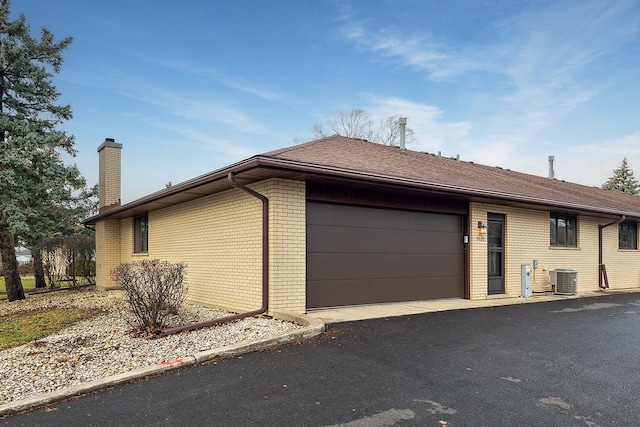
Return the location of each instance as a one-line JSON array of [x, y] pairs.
[[109, 174]]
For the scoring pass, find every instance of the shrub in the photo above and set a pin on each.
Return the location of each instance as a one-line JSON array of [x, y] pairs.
[[25, 269], [55, 264], [83, 270], [67, 260], [154, 290]]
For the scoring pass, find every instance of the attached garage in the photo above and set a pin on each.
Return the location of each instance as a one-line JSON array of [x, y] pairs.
[[342, 221], [364, 255]]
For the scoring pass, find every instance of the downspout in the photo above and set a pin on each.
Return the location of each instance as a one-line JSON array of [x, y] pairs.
[[265, 269], [601, 268]]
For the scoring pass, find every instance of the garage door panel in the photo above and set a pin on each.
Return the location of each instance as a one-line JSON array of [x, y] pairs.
[[365, 240], [366, 266], [359, 217], [354, 292], [360, 255]]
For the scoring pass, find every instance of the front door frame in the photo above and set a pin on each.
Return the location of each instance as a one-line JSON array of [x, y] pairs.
[[495, 252]]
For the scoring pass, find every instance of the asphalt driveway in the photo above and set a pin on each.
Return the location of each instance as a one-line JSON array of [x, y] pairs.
[[563, 363]]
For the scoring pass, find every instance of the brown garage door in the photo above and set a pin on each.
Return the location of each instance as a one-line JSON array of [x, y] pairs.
[[359, 255]]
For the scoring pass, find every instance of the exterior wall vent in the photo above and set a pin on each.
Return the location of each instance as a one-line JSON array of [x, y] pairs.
[[564, 281]]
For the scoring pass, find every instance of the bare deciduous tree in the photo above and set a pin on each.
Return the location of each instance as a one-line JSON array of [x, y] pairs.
[[357, 123]]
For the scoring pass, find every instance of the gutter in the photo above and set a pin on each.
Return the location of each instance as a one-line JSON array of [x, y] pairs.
[[320, 170], [265, 269], [182, 187], [331, 171], [602, 270]]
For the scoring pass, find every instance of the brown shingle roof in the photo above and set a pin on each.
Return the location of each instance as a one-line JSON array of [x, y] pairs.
[[337, 152], [366, 162]]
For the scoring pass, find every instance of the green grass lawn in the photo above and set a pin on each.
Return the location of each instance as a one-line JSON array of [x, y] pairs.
[[21, 328], [27, 283]]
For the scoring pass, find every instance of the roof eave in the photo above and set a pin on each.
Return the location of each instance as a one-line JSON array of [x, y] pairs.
[[162, 198], [174, 190], [472, 193]]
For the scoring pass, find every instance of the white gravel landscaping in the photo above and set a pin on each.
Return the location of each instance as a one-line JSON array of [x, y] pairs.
[[102, 346]]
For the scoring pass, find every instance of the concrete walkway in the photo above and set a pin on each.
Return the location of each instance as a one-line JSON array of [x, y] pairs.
[[374, 311]]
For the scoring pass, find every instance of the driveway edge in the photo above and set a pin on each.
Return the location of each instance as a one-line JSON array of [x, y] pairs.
[[310, 327]]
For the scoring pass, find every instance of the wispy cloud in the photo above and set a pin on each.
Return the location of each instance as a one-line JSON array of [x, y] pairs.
[[214, 112], [220, 78], [179, 104], [209, 142], [544, 61], [417, 51], [185, 69], [552, 60], [431, 131]]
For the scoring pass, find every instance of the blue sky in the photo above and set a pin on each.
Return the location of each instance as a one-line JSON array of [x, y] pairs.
[[189, 87]]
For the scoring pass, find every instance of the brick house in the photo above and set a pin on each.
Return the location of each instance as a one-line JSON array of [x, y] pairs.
[[351, 222]]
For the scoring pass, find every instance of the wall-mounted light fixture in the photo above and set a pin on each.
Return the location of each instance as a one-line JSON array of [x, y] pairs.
[[482, 228]]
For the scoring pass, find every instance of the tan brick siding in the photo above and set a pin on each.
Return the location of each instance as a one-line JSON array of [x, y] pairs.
[[527, 238], [109, 176], [126, 242], [477, 254], [219, 237], [107, 251], [287, 246], [623, 266]]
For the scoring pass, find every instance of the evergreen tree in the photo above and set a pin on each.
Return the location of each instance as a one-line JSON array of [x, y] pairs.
[[37, 189], [623, 180]]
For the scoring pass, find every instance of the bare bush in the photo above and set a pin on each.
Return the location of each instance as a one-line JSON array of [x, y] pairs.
[[55, 264], [25, 269], [67, 260], [154, 290]]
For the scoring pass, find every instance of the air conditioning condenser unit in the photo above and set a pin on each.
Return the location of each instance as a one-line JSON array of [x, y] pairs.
[[564, 281]]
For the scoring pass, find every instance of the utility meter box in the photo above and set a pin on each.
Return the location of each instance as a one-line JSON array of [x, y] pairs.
[[526, 280]]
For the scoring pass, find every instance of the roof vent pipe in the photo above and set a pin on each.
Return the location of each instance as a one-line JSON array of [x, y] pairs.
[[551, 173], [402, 122]]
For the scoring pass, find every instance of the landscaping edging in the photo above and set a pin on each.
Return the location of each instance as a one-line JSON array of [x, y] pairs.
[[311, 327]]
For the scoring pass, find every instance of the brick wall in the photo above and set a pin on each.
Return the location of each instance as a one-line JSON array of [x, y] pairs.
[[109, 154], [287, 246], [219, 237], [477, 253], [126, 242], [107, 251], [623, 266], [527, 238]]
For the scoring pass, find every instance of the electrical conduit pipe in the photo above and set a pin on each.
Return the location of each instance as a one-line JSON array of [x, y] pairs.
[[265, 269]]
